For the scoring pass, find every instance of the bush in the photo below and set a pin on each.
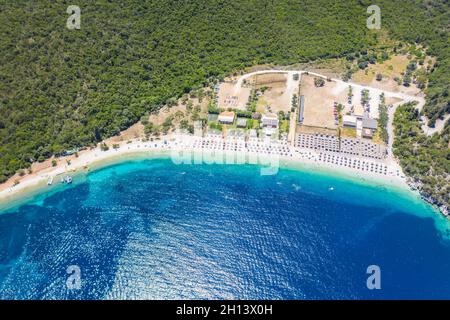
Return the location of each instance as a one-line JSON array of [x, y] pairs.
[[363, 65], [319, 82], [104, 147]]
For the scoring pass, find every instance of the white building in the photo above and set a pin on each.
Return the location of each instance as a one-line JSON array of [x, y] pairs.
[[349, 121], [270, 120], [226, 117]]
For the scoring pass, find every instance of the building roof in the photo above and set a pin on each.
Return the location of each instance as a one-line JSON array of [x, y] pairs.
[[351, 119], [227, 114], [271, 116], [369, 123]]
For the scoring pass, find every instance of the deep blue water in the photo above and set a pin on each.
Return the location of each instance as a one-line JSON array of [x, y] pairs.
[[152, 229]]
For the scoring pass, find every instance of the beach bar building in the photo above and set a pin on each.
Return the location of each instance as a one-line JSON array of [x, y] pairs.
[[270, 120], [369, 126], [349, 121], [226, 117]]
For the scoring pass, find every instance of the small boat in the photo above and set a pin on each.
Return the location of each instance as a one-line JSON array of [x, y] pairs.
[[67, 179], [50, 181]]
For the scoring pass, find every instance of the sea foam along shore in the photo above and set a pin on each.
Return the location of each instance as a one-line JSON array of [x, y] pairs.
[[282, 155]]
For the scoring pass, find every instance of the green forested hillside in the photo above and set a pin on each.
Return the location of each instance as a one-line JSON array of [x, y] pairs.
[[430, 29], [63, 88], [425, 159]]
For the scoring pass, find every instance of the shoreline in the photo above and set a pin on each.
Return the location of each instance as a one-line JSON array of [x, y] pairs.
[[32, 186], [88, 161], [359, 169]]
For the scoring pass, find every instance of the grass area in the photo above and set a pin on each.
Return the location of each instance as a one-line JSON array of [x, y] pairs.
[[390, 68], [284, 126], [255, 124], [377, 137], [261, 105], [348, 132]]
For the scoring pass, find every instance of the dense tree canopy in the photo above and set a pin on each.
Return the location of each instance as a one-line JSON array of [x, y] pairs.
[[430, 27], [425, 159], [62, 88]]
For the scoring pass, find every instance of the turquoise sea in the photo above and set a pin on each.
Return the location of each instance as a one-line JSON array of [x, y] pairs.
[[150, 229]]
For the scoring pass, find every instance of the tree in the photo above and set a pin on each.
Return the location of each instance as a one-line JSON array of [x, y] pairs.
[[171, 102], [412, 66], [319, 82], [294, 103], [104, 147], [407, 80], [189, 106], [184, 124], [363, 65], [151, 129], [167, 124], [144, 119]]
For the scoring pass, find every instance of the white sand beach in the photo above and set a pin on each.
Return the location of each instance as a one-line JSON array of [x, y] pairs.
[[235, 149], [186, 149]]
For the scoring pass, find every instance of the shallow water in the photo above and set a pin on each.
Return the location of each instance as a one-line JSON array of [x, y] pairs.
[[152, 229]]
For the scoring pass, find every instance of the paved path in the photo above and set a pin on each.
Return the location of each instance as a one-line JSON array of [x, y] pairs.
[[438, 127]]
